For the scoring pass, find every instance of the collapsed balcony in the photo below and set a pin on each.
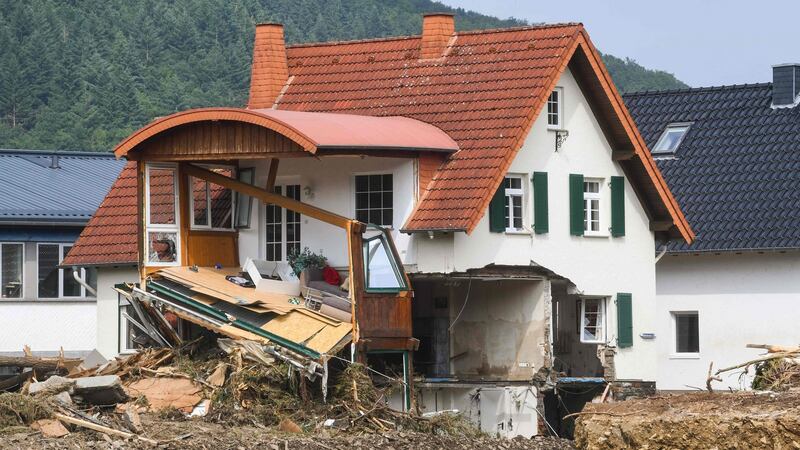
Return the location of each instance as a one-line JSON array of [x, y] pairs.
[[197, 179]]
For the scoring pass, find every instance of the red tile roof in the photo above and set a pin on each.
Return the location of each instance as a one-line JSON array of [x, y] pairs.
[[110, 237], [484, 91]]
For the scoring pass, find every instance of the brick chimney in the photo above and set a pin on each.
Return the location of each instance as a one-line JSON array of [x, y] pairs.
[[270, 70], [437, 29]]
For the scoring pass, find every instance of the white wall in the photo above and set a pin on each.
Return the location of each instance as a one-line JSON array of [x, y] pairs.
[[108, 307], [601, 266], [742, 299], [505, 411], [332, 182], [47, 326]]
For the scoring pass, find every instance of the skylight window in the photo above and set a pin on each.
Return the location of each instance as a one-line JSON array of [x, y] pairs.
[[671, 138]]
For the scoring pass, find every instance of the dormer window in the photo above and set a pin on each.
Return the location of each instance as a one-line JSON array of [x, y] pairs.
[[554, 109], [671, 138]]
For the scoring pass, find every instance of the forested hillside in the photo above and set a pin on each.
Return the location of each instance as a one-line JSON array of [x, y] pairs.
[[85, 74]]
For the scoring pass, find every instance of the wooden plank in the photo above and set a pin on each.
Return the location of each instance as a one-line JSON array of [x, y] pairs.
[[273, 173], [328, 337], [294, 327], [318, 316], [205, 299], [238, 333], [269, 197]]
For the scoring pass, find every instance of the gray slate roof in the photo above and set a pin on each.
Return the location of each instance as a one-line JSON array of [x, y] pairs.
[[32, 192], [736, 175]]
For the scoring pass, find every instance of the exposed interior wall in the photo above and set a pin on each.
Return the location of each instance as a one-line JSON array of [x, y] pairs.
[[500, 335], [598, 266], [107, 312], [329, 183], [747, 298]]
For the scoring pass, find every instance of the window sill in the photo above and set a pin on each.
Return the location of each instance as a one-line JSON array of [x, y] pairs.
[[555, 128], [684, 356], [49, 300], [596, 235], [519, 232]]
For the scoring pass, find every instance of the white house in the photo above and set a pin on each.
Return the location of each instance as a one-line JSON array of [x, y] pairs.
[[730, 155], [530, 246], [46, 197]]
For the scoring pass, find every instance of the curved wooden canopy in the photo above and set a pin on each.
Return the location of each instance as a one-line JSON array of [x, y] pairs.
[[311, 130]]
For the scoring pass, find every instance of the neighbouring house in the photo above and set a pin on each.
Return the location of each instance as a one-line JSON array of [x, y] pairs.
[[513, 187], [46, 198], [731, 155]]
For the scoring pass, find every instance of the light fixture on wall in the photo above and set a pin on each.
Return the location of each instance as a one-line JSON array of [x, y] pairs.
[[308, 191], [561, 137]]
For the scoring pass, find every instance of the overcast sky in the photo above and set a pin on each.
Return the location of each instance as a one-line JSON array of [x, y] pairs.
[[702, 42]]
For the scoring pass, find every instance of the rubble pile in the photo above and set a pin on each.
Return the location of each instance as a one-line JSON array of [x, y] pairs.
[[217, 381], [777, 370]]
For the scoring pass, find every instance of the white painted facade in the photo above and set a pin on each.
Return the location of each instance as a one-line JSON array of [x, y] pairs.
[[108, 307], [598, 266], [740, 299], [46, 325]]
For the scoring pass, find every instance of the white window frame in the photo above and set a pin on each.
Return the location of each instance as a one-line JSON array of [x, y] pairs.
[[601, 339], [61, 273], [559, 91], [354, 193], [674, 319], [207, 226], [124, 326], [685, 126], [22, 280], [515, 192], [283, 223], [160, 227], [587, 198]]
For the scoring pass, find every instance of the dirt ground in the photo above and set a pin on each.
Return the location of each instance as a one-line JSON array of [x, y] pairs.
[[696, 420], [196, 434]]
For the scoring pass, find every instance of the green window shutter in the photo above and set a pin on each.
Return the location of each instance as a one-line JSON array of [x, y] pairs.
[[617, 206], [576, 204], [624, 320], [541, 223], [497, 211]]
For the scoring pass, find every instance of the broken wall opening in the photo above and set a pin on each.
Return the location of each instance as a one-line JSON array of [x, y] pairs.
[[572, 356], [475, 327]]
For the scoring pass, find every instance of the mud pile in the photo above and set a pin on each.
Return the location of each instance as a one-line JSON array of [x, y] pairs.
[[693, 420]]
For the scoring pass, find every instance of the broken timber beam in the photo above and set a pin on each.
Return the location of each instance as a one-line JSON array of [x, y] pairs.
[[38, 364], [266, 196]]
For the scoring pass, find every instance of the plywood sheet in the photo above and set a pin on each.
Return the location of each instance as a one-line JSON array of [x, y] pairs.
[[212, 282], [328, 337], [294, 327], [238, 333], [205, 299], [318, 316]]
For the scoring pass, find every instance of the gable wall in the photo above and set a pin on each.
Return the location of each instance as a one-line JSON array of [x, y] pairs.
[[599, 266]]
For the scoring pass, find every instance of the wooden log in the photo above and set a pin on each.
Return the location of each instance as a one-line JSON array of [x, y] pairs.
[[38, 364], [775, 348], [100, 428]]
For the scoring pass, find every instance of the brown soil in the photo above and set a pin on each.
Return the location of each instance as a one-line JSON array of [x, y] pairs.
[[205, 435], [696, 420]]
